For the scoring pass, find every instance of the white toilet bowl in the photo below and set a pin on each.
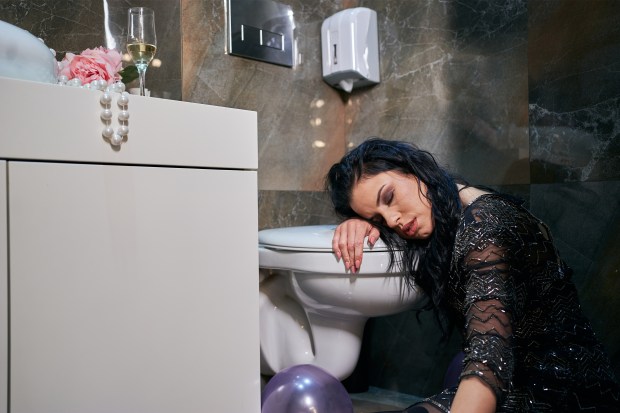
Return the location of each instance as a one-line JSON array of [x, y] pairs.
[[312, 311]]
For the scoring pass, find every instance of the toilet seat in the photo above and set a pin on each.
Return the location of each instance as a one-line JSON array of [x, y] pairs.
[[312, 238]]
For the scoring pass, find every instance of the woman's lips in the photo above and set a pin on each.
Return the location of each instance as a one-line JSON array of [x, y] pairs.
[[410, 228]]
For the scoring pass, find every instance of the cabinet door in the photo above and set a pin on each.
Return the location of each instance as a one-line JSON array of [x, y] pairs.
[[133, 289], [4, 297]]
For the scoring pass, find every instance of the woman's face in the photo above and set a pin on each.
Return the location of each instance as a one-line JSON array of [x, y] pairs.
[[396, 200]]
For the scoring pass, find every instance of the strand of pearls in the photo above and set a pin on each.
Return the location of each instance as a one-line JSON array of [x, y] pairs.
[[114, 137]]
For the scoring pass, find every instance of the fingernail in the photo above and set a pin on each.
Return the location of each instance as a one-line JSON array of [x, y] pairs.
[[357, 263]]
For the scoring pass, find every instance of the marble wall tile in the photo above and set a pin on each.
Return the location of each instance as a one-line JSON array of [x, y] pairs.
[[454, 81], [63, 25], [574, 98], [574, 59], [294, 208], [448, 86], [300, 118], [75, 25], [585, 222]]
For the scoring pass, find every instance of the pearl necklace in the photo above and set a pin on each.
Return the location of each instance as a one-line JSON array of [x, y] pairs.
[[117, 137]]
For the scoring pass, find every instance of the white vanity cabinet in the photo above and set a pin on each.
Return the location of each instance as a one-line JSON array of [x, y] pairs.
[[132, 272]]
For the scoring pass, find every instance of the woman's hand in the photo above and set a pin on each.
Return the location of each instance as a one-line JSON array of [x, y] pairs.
[[473, 396], [348, 241]]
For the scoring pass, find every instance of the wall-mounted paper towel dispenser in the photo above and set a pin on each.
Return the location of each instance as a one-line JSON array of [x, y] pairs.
[[350, 48]]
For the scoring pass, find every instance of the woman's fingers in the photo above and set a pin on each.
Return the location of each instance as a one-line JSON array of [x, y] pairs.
[[348, 241], [373, 236], [356, 247], [335, 242], [340, 243]]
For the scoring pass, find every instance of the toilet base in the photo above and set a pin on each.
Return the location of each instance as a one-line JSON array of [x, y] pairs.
[[291, 336]]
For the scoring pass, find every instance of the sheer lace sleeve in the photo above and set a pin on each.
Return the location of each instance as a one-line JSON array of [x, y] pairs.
[[489, 297]]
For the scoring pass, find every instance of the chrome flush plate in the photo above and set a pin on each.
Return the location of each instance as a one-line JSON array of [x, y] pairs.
[[261, 30]]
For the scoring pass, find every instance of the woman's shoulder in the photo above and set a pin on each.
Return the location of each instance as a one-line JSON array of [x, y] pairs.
[[493, 218], [495, 206]]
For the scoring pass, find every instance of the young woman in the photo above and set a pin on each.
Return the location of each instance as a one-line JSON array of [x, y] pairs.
[[490, 268]]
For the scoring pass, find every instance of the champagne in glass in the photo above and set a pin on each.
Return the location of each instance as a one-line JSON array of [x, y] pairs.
[[141, 40]]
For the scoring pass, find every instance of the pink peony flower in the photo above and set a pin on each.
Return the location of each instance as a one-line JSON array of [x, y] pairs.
[[92, 64]]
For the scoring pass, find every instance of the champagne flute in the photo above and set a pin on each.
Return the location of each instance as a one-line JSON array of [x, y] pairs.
[[141, 40]]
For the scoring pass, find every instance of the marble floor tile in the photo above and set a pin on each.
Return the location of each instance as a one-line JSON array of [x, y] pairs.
[[376, 400]]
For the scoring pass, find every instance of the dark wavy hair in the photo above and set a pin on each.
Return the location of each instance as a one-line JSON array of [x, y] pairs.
[[425, 263]]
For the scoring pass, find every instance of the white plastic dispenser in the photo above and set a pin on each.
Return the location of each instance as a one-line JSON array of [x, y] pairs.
[[350, 49]]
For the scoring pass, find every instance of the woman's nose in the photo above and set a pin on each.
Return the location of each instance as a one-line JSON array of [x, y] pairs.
[[392, 219]]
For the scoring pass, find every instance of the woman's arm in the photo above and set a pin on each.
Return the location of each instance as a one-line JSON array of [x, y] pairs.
[[348, 241], [473, 396], [488, 314], [489, 273]]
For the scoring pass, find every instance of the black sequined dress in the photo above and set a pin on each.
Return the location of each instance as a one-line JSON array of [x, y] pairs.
[[524, 333]]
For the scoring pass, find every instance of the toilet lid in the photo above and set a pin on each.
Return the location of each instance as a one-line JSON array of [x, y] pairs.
[[316, 238]]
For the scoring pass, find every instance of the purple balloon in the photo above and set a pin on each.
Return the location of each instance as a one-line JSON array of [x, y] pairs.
[[305, 388]]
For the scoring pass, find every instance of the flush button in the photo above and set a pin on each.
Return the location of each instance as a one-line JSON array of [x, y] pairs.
[[270, 39], [250, 34]]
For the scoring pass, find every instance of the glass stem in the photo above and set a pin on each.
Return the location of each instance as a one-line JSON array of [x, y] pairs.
[[141, 74]]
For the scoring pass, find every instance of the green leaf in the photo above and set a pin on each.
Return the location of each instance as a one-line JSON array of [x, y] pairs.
[[128, 74]]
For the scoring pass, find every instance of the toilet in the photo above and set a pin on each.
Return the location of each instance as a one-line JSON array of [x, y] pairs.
[[312, 311]]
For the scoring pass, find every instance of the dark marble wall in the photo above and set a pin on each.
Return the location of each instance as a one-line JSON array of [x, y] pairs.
[[574, 60], [574, 101], [521, 95]]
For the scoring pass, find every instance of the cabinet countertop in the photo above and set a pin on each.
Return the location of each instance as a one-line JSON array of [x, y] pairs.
[[60, 123]]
